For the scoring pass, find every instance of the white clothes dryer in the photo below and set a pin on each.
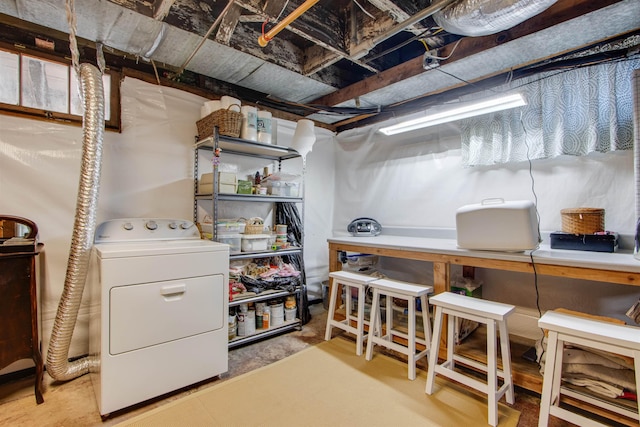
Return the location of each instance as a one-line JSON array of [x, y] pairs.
[[159, 309]]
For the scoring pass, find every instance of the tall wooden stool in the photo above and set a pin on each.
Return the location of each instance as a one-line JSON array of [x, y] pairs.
[[565, 328], [411, 293], [494, 316], [349, 281]]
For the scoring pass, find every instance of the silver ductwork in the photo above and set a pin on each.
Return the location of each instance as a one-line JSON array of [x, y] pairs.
[[58, 365], [483, 17]]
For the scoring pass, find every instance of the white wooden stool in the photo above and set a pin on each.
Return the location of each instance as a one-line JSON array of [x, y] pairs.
[[348, 280], [411, 293], [492, 314], [596, 334]]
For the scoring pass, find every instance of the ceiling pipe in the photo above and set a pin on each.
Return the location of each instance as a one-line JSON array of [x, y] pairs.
[[363, 48], [264, 39]]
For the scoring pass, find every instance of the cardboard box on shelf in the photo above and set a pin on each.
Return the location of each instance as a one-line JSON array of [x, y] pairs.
[[227, 183]]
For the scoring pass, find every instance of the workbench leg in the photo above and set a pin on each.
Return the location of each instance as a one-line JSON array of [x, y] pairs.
[[441, 276], [334, 265]]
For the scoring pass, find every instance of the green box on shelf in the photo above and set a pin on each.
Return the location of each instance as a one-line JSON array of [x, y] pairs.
[[244, 187]]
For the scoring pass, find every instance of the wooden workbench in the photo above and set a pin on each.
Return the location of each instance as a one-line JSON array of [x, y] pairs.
[[619, 267]]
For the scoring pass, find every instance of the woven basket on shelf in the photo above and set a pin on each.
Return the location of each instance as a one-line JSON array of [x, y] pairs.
[[253, 229], [229, 123], [582, 220], [254, 226]]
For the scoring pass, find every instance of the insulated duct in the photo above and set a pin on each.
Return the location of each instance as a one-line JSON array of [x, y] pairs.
[[58, 365], [483, 17]]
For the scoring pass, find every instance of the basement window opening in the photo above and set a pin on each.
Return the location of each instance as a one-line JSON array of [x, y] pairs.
[[46, 88]]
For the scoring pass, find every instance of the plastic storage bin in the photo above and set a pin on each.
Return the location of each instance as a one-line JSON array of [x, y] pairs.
[[228, 227], [254, 242], [285, 188], [233, 240]]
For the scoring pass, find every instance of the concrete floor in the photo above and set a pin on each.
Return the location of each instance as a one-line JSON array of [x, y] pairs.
[[73, 403]]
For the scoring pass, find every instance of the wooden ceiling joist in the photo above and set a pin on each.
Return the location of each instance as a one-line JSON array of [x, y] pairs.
[[161, 9]]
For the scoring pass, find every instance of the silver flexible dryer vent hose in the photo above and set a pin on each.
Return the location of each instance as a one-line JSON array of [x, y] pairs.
[[58, 365]]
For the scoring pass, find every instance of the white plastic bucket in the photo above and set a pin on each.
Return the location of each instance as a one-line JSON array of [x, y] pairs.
[[290, 314], [277, 314]]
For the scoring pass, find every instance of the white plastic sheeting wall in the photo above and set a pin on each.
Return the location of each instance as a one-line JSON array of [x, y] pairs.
[[416, 182], [147, 172]]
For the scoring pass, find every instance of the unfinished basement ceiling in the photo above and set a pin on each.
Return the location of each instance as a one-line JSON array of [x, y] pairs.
[[342, 63]]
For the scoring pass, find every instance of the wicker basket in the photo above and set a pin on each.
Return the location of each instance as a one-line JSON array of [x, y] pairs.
[[228, 122], [254, 226], [582, 220], [254, 229]]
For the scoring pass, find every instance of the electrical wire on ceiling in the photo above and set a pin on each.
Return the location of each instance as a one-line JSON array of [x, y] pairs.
[[266, 21], [363, 10], [437, 31], [282, 10], [456, 77], [403, 44], [565, 68], [442, 58], [307, 109]]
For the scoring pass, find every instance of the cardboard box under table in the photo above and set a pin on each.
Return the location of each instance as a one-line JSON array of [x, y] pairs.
[[464, 327]]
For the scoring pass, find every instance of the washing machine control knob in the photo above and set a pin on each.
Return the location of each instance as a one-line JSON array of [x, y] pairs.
[[173, 225], [151, 225], [185, 225], [127, 226]]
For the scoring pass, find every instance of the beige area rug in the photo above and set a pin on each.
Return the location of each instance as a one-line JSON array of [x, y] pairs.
[[328, 385]]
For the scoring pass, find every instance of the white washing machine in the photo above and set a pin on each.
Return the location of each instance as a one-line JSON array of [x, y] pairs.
[[159, 309]]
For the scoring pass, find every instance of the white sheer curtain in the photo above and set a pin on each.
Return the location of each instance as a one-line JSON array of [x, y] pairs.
[[571, 112], [636, 121]]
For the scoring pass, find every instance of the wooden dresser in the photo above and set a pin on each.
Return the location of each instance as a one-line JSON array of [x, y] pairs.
[[18, 295]]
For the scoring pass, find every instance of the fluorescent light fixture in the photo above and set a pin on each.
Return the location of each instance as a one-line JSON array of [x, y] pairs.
[[460, 112]]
